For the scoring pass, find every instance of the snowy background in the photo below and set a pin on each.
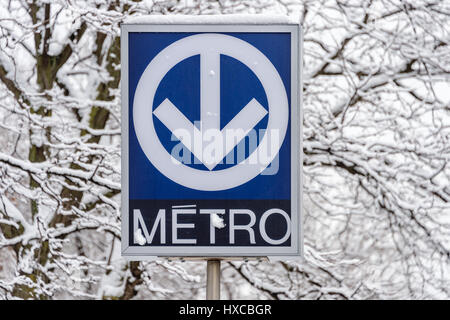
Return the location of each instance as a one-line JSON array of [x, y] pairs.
[[376, 144]]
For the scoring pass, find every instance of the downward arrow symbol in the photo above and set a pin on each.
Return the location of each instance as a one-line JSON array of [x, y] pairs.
[[240, 125]]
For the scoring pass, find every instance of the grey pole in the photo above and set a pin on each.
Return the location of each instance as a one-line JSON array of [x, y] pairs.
[[213, 280]]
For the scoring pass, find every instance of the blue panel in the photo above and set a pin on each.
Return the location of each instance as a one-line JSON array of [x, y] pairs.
[[182, 86]]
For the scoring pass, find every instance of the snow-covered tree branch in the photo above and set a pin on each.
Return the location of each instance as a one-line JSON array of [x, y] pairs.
[[376, 134]]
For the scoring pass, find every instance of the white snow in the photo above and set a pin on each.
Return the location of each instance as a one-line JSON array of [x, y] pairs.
[[139, 237], [11, 210], [214, 19], [376, 135], [217, 221]]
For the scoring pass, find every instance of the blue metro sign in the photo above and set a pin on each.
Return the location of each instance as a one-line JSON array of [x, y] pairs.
[[211, 140]]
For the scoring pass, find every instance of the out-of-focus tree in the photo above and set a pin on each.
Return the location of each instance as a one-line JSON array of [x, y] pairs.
[[376, 144]]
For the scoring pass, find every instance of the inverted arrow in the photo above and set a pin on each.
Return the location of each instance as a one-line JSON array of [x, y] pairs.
[[180, 126]]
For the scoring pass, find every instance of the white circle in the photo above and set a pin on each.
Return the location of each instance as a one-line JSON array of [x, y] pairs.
[[143, 104]]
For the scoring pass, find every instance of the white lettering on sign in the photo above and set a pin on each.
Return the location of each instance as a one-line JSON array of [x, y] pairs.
[[176, 225], [212, 228], [160, 221], [249, 227], [262, 226]]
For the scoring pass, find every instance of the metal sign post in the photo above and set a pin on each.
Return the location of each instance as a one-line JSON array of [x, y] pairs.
[[213, 280]]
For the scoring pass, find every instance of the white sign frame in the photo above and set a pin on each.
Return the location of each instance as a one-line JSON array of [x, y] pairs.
[[133, 252]]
